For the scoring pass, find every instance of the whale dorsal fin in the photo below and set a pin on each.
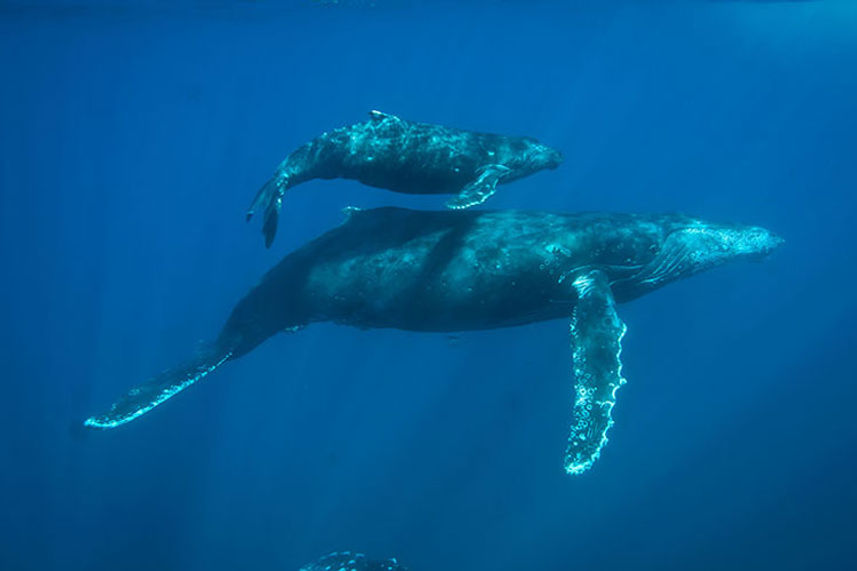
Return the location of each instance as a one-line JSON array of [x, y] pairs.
[[480, 189], [376, 115], [350, 211], [596, 342]]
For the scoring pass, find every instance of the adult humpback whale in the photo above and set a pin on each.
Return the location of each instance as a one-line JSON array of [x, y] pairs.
[[404, 156], [454, 271]]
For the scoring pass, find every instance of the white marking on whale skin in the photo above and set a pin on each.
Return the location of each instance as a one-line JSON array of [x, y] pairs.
[[594, 378], [356, 561], [580, 467], [584, 284]]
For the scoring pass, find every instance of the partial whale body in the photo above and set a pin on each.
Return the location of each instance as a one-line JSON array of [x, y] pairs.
[[405, 156], [451, 271], [351, 561]]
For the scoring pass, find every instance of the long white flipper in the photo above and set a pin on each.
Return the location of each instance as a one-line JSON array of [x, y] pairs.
[[596, 341]]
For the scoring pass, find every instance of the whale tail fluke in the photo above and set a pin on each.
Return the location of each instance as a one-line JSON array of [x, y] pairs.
[[269, 197], [272, 217], [143, 398]]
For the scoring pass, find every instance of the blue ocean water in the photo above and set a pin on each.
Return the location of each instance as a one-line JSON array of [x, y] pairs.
[[132, 138]]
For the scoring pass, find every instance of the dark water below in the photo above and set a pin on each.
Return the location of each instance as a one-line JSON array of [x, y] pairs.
[[132, 138]]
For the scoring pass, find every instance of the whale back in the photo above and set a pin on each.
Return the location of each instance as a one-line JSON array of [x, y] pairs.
[[445, 271], [576, 239]]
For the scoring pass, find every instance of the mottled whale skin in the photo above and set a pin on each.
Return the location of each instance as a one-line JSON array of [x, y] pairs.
[[409, 157], [352, 561], [473, 270]]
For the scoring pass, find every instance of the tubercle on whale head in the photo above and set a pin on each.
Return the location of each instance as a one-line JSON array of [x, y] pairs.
[[714, 244], [539, 156], [552, 158], [695, 246]]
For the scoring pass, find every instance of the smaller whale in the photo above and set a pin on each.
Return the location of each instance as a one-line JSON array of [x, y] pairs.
[[350, 561], [404, 156]]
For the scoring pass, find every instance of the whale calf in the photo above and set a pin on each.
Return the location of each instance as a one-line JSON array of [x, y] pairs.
[[459, 271], [405, 156]]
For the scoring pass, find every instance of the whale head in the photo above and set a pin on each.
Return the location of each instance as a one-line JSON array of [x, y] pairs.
[[535, 156], [690, 246]]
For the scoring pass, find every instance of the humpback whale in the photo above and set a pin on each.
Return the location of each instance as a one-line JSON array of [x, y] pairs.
[[404, 156], [350, 561], [454, 271]]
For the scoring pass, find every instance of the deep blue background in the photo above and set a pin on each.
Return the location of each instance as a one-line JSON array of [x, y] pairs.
[[131, 141]]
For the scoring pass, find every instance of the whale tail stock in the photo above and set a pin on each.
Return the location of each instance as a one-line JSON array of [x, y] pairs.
[[143, 398], [269, 197], [253, 320]]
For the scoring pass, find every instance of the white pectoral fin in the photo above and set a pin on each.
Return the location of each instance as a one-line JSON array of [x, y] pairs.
[[596, 342], [480, 189]]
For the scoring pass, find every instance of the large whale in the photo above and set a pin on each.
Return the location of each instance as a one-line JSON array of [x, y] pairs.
[[405, 156], [455, 271]]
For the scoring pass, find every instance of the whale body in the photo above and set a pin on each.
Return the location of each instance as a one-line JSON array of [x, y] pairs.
[[406, 156], [473, 270]]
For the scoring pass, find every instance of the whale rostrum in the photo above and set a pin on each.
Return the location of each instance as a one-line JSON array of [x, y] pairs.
[[451, 271]]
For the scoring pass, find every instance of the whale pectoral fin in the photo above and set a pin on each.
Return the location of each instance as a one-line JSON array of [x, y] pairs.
[[596, 342], [143, 398], [269, 197], [480, 189]]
